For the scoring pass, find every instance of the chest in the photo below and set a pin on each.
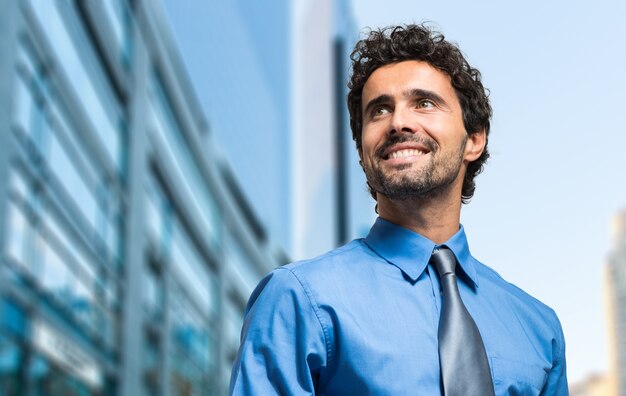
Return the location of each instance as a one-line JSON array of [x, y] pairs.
[[385, 340]]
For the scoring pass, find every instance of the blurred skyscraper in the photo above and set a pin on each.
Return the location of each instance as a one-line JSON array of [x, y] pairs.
[[616, 305], [272, 76], [128, 249], [594, 385], [329, 191], [238, 57]]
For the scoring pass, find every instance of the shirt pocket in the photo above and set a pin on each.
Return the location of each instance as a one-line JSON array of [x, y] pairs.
[[515, 378]]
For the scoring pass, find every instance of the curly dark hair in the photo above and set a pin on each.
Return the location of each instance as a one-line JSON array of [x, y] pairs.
[[420, 42]]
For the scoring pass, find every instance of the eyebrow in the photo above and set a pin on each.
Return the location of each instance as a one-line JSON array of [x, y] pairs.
[[412, 93], [425, 94], [375, 102]]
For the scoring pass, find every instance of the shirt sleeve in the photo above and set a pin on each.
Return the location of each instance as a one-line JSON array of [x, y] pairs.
[[556, 385], [283, 348]]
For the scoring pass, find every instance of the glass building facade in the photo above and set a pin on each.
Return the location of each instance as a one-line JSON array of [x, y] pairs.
[[238, 56], [273, 76], [128, 250]]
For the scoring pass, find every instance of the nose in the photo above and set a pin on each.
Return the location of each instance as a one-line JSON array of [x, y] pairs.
[[401, 121]]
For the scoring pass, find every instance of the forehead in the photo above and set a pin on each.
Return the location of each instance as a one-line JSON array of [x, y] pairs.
[[395, 79]]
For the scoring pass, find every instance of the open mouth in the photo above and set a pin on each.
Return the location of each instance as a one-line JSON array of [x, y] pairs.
[[400, 151], [404, 154]]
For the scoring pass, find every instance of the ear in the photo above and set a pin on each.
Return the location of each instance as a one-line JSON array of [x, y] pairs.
[[475, 145]]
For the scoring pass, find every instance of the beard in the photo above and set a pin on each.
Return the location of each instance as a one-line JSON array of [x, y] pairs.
[[411, 180]]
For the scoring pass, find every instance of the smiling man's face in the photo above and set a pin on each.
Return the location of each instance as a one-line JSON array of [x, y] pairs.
[[414, 142]]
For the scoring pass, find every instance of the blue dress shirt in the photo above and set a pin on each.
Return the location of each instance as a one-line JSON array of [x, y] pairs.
[[363, 319]]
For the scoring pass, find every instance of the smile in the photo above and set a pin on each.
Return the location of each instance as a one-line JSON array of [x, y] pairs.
[[405, 153], [405, 150]]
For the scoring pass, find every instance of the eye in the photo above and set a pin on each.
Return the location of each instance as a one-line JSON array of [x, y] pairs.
[[379, 111], [425, 104]]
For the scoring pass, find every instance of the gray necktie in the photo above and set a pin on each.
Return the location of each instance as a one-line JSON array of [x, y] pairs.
[[462, 357]]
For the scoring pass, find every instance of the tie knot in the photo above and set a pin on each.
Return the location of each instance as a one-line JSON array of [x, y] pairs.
[[444, 261]]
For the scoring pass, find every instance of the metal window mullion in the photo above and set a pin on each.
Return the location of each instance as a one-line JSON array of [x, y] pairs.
[[134, 253], [10, 24]]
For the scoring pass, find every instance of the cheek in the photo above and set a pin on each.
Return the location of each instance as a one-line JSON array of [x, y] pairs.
[[447, 133], [369, 140]]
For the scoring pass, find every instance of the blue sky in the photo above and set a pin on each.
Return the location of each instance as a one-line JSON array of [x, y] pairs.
[[542, 212]]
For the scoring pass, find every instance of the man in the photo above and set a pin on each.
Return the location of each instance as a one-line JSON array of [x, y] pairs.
[[407, 310]]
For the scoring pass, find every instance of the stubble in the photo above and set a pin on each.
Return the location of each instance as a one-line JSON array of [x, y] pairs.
[[414, 180]]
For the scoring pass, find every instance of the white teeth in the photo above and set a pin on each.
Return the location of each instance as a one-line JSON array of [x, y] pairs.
[[404, 153]]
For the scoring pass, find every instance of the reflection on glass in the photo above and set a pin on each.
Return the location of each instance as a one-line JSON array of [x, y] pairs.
[[64, 168], [55, 275], [240, 262], [108, 327], [151, 361], [17, 183], [24, 105], [189, 333], [83, 305], [51, 255], [162, 121], [159, 216], [26, 61], [233, 318], [13, 318], [10, 364], [186, 261], [153, 217], [116, 16], [46, 379], [73, 248], [152, 294], [19, 226], [104, 120]]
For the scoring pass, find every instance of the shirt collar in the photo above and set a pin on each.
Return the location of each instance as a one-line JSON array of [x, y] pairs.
[[410, 251]]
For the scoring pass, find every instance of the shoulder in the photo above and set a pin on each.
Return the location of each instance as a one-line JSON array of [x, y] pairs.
[[301, 277], [335, 263]]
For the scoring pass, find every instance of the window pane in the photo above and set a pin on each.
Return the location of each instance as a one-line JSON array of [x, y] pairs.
[[24, 104], [10, 363], [241, 263], [18, 228], [40, 128], [151, 362], [233, 318], [107, 214], [116, 16], [154, 219], [113, 237], [26, 60], [17, 183], [191, 337], [83, 305], [111, 294], [162, 121], [158, 215], [109, 329], [91, 169], [194, 271], [105, 123], [152, 294], [12, 317], [55, 276], [72, 247], [66, 172]]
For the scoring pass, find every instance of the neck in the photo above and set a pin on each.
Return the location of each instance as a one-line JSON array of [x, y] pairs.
[[436, 218]]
